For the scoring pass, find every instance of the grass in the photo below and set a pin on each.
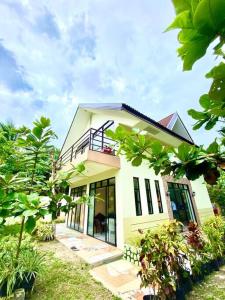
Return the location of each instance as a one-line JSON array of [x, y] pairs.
[[213, 287], [68, 281], [67, 277]]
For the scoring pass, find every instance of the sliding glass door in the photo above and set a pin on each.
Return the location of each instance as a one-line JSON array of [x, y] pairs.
[[102, 211], [75, 217], [181, 203]]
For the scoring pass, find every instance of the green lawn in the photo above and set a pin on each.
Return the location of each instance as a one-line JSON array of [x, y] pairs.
[[68, 281], [67, 277], [213, 287]]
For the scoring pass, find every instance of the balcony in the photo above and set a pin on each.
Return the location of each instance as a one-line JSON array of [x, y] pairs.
[[93, 149]]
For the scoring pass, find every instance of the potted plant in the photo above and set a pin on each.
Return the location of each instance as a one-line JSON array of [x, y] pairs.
[[107, 150], [21, 273]]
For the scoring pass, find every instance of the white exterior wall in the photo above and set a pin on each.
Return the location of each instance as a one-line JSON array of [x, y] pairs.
[[202, 200]]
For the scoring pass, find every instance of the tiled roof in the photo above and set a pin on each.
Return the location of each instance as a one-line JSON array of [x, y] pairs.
[[165, 121]]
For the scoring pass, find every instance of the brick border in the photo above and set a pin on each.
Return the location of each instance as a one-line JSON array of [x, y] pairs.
[[167, 179]]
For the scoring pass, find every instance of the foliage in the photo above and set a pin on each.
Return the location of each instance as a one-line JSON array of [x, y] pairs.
[[168, 256], [197, 253], [162, 259], [30, 262], [200, 22], [214, 229], [186, 160], [22, 194], [217, 193], [10, 158], [45, 231]]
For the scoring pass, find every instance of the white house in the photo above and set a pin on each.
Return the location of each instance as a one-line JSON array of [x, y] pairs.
[[126, 198]]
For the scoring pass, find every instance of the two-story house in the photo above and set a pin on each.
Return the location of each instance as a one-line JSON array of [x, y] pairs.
[[126, 198]]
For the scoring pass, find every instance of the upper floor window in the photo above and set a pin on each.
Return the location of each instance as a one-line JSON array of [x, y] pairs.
[[137, 196], [149, 196], [159, 198]]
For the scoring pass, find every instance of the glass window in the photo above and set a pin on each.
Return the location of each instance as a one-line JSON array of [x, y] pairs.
[[137, 196], [149, 196], [159, 199], [112, 181]]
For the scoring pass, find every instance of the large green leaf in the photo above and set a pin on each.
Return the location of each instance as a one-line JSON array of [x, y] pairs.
[[205, 101], [37, 131], [30, 212], [197, 115], [191, 51], [30, 224], [183, 20], [137, 161], [217, 72], [181, 5], [213, 147], [209, 16]]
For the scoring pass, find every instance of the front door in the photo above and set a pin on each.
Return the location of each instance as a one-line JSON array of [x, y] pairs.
[[102, 211], [181, 203]]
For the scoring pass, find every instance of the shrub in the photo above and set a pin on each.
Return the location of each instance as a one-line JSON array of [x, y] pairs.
[[214, 229], [162, 257], [196, 248], [45, 231]]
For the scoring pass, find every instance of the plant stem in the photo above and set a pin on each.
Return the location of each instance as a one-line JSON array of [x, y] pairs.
[[20, 238]]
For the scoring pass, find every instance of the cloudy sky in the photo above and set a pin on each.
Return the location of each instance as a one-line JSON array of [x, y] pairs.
[[55, 54]]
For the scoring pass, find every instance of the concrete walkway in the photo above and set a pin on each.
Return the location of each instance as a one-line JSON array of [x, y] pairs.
[[108, 267]]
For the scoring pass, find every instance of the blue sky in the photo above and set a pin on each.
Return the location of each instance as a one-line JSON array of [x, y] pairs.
[[56, 54]]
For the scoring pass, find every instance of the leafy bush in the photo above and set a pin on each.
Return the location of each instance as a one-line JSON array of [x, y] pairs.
[[9, 230], [162, 257], [214, 229], [45, 231], [60, 219]]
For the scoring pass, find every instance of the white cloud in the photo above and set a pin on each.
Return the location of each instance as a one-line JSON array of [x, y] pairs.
[[87, 50]]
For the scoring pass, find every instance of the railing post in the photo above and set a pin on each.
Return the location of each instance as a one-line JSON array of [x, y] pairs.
[[90, 140], [71, 155], [102, 139]]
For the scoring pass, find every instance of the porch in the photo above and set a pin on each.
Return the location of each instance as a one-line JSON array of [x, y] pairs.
[[91, 250]]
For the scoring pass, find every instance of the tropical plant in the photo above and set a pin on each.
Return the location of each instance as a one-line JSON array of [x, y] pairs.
[[217, 193], [201, 22], [162, 259], [18, 275], [214, 229], [45, 231]]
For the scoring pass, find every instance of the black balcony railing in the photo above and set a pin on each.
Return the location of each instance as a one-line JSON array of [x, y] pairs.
[[93, 139]]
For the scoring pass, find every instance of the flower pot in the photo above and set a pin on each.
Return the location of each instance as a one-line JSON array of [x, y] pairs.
[[220, 261], [196, 278], [150, 297], [214, 265], [27, 283], [3, 289], [180, 294], [185, 282]]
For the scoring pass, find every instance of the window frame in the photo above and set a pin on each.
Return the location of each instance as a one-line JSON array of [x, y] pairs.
[[149, 196], [138, 207], [159, 196]]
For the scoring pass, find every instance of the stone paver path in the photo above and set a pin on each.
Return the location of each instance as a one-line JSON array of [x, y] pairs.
[[108, 267], [93, 251]]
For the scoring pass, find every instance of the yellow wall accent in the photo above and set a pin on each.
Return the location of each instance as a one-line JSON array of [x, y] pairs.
[[205, 213], [132, 224]]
